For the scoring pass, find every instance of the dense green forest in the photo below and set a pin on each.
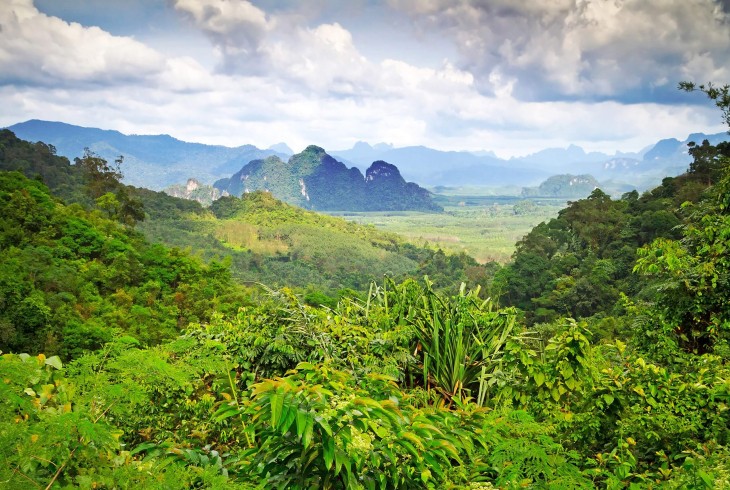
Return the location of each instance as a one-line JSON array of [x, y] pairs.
[[601, 360]]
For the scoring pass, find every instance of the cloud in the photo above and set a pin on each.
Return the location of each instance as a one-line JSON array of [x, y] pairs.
[[36, 48], [42, 50], [250, 42], [626, 50], [237, 29], [524, 79]]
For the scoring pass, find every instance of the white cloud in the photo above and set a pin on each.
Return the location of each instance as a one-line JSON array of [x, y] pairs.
[[619, 49], [249, 41], [40, 49], [282, 77], [43, 50], [236, 27]]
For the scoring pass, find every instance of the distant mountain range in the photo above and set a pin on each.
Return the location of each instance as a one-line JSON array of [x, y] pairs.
[[433, 167], [158, 161], [153, 162], [430, 167], [314, 180]]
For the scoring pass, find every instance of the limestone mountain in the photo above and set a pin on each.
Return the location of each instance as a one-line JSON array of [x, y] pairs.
[[195, 191], [313, 179]]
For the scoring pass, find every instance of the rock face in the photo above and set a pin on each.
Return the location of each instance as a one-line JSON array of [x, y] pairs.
[[313, 179], [195, 191]]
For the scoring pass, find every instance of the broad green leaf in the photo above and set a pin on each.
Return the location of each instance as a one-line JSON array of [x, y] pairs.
[[706, 479], [277, 404], [328, 451], [413, 438], [225, 411], [379, 430], [325, 426], [54, 361], [302, 417], [341, 458], [555, 393], [433, 463], [288, 416], [425, 475], [307, 433]]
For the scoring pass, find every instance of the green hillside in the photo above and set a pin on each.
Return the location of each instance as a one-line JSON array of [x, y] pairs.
[[71, 279], [282, 245], [264, 239], [564, 186]]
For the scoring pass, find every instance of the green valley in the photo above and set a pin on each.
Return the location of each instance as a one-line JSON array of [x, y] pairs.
[[485, 228]]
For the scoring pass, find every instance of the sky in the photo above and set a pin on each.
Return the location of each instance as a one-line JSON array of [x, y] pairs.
[[509, 76]]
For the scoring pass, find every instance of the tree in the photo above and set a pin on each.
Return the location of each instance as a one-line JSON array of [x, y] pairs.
[[100, 176], [720, 95], [104, 186], [707, 164], [693, 273]]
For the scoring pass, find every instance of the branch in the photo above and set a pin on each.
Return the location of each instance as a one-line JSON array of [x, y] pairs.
[[60, 469]]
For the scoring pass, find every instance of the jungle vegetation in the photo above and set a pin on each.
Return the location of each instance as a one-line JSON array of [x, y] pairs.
[[597, 359]]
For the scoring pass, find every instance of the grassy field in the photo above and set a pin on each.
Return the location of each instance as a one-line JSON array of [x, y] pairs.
[[485, 227]]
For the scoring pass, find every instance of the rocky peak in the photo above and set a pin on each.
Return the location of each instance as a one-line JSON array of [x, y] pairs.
[[192, 185], [314, 149], [381, 170], [195, 191]]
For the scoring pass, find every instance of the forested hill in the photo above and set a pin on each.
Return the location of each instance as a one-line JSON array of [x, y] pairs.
[[313, 179], [565, 186], [151, 161], [582, 263], [263, 239]]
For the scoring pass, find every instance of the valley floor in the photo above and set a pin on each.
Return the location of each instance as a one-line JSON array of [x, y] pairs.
[[484, 227]]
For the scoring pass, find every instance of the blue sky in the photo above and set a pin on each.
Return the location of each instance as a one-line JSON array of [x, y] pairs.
[[503, 75]]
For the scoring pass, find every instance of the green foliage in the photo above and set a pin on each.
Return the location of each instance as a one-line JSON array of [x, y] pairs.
[[461, 340], [69, 278], [691, 274], [40, 160], [318, 429], [55, 434], [552, 375], [578, 263]]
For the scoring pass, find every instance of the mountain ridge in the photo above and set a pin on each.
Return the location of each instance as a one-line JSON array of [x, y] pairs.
[[313, 179], [158, 161], [152, 161]]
